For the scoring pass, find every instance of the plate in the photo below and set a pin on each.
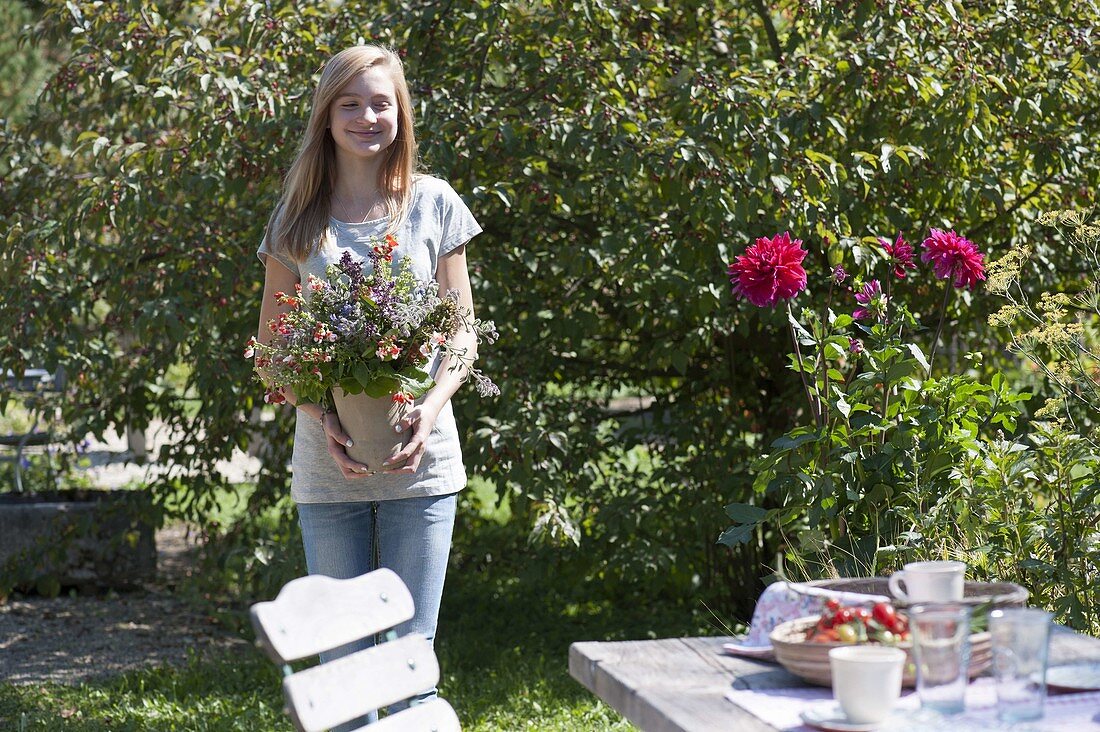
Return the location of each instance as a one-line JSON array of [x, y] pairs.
[[1074, 677], [738, 649], [832, 719]]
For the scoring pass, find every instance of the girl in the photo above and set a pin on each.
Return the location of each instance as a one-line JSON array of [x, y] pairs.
[[353, 181]]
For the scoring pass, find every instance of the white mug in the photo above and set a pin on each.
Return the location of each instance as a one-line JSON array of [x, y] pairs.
[[929, 582], [866, 681]]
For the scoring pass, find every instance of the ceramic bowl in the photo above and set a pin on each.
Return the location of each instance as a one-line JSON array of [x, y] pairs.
[[810, 661]]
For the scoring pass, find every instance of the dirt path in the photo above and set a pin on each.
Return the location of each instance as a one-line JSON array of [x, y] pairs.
[[74, 639]]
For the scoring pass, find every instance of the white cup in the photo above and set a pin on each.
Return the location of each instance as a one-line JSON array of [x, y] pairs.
[[929, 582], [866, 681]]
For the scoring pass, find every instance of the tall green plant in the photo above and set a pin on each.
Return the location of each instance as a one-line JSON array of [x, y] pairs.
[[849, 490]]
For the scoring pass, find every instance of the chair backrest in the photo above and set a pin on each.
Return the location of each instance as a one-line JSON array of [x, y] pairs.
[[316, 613]]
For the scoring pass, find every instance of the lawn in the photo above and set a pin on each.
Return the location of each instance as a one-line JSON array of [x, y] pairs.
[[505, 630]]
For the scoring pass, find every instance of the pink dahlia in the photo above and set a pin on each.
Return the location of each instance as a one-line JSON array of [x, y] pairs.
[[769, 271], [872, 302], [954, 257], [900, 254]]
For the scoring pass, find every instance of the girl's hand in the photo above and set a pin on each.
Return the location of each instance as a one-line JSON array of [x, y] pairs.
[[337, 440], [422, 420]]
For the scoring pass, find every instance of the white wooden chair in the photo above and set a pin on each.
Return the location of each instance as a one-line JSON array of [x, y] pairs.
[[316, 613]]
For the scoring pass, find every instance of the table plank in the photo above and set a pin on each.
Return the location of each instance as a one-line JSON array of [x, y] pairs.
[[679, 684], [669, 685]]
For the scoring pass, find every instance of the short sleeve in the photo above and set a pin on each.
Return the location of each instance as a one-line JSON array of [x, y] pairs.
[[457, 221], [266, 250]]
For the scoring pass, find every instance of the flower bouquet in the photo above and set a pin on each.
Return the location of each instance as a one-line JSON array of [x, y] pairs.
[[361, 339]]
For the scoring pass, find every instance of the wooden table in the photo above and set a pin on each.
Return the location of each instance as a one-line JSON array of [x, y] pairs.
[[679, 684]]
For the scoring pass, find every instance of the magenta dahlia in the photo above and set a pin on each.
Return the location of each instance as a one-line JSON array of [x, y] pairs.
[[769, 271], [872, 302], [900, 255], [954, 257]]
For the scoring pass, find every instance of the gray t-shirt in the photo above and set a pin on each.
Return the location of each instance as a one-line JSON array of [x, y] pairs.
[[438, 222]]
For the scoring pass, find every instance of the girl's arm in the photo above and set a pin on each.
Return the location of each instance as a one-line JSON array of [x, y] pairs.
[[277, 278], [451, 274]]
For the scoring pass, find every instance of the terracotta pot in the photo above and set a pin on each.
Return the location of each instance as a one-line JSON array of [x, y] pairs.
[[370, 423]]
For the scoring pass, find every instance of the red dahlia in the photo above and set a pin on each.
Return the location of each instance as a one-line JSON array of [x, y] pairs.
[[955, 257], [900, 254], [769, 271]]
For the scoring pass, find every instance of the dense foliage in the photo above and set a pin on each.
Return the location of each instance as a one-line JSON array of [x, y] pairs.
[[618, 155], [23, 66], [893, 464]]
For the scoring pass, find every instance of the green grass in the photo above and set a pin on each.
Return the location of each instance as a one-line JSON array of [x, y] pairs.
[[503, 644], [224, 693]]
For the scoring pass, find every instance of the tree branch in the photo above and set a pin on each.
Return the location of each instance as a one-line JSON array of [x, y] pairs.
[[769, 29]]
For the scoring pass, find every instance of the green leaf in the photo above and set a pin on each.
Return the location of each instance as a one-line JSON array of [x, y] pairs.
[[363, 373], [415, 381], [351, 385], [786, 442], [919, 355], [381, 386], [745, 513], [736, 535]]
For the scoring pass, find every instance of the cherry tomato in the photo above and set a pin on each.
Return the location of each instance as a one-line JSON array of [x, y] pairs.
[[884, 613], [832, 604], [842, 616], [846, 633], [862, 614]]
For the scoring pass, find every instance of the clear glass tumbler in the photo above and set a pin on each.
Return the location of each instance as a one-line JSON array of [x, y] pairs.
[[941, 650], [1020, 639]]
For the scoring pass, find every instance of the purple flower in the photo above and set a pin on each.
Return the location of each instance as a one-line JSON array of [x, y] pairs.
[[839, 275], [872, 302], [353, 269], [855, 345]]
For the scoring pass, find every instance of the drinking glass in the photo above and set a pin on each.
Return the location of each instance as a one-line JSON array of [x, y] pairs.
[[1020, 639], [941, 650]]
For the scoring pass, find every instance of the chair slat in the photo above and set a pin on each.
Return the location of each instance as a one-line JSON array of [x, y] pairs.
[[317, 613], [332, 693], [435, 715]]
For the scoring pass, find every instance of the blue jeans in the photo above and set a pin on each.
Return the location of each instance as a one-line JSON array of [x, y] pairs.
[[412, 536]]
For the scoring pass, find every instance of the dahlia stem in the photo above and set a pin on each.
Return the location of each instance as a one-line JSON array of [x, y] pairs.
[[939, 328], [815, 407], [886, 387]]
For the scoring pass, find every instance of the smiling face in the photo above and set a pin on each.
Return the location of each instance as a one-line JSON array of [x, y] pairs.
[[363, 117]]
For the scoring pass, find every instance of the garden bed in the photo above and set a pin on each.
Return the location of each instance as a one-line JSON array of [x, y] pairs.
[[88, 539]]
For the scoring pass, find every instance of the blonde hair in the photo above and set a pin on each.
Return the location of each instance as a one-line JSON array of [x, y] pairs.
[[301, 219]]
